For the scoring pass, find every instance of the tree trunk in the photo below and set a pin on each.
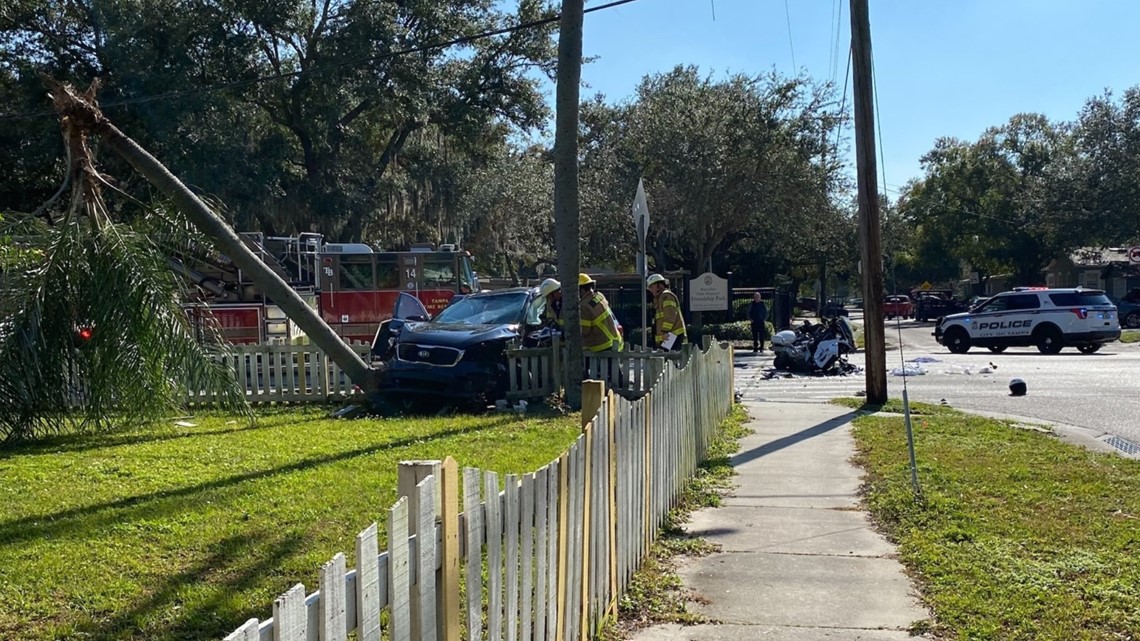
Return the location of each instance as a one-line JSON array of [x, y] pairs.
[[224, 238], [566, 223]]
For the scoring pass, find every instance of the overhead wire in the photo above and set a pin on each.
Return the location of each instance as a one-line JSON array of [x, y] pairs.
[[328, 67], [791, 44]]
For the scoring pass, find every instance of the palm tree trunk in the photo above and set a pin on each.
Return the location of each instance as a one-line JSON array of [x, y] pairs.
[[226, 240], [566, 222]]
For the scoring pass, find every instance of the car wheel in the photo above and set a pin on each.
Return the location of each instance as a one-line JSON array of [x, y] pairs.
[[1089, 349], [1132, 320], [997, 349], [1049, 340], [957, 340]]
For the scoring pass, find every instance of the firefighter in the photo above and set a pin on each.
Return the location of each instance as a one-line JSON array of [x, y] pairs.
[[551, 292], [599, 325], [667, 317]]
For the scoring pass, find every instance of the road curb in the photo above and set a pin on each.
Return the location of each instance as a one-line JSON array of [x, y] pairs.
[[1095, 440]]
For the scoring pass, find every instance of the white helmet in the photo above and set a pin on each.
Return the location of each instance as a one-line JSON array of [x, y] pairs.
[[656, 278], [548, 287]]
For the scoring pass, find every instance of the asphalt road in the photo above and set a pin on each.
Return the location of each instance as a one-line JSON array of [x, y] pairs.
[[1097, 391]]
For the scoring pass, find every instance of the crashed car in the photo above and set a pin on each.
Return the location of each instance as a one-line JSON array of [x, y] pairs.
[[458, 357]]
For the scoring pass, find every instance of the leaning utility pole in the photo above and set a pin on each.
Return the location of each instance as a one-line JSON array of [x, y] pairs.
[[566, 224], [870, 243]]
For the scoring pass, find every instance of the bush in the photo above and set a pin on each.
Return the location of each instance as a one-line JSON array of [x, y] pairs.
[[738, 331]]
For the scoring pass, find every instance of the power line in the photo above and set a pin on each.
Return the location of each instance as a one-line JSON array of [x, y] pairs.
[[843, 100], [878, 120], [835, 49], [791, 45], [347, 63]]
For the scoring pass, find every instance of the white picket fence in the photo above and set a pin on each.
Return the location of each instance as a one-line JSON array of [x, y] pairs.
[[557, 547], [536, 372], [284, 373]]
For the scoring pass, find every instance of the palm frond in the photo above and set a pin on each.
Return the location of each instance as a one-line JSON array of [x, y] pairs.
[[141, 356]]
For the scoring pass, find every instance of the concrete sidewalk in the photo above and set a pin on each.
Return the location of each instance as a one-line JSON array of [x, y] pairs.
[[799, 559]]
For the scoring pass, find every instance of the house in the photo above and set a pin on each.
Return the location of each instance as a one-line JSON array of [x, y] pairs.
[[1104, 268]]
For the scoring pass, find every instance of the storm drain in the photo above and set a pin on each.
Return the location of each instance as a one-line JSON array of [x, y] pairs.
[[1128, 447]]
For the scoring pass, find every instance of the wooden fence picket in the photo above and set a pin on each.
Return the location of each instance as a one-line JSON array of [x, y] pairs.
[[541, 552], [289, 617], [473, 512], [426, 559], [333, 604], [526, 534], [368, 586], [399, 581], [511, 521], [494, 525]]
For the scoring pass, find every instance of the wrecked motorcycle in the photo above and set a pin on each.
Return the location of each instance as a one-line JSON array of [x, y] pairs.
[[815, 348]]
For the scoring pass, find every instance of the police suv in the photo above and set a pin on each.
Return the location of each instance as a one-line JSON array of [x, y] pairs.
[[1049, 319]]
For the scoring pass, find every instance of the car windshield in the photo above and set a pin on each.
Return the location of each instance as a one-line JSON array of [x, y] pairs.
[[494, 309]]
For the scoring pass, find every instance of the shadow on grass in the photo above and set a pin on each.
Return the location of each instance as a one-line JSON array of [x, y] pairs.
[[235, 565], [85, 442], [162, 502]]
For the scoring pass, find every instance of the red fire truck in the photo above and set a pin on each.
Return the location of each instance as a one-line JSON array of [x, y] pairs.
[[352, 286]]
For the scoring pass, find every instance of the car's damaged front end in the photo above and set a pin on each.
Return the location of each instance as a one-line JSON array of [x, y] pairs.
[[454, 358]]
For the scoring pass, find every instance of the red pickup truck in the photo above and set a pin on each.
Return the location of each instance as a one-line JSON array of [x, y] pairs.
[[898, 305]]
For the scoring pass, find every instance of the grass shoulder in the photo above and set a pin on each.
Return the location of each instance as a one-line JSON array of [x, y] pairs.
[[1019, 535], [179, 531], [1130, 336], [656, 594], [894, 406]]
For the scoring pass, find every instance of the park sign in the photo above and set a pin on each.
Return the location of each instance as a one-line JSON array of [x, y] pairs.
[[708, 293]]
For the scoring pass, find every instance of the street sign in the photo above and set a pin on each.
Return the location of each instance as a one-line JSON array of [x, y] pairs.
[[708, 293], [1134, 255], [641, 213], [926, 286], [975, 278]]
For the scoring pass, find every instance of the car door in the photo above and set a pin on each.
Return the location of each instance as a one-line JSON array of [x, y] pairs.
[[987, 321], [407, 309]]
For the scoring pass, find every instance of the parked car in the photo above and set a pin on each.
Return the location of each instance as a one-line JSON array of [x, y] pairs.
[[460, 355], [930, 306], [807, 304], [1128, 311], [857, 303], [834, 307], [898, 305]]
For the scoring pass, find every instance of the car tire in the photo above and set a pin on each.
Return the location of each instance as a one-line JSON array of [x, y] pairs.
[[997, 349], [1049, 340], [1132, 320], [1089, 349], [957, 340]]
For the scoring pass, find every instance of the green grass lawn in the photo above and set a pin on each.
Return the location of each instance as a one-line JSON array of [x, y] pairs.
[[184, 532], [1021, 536], [1130, 336]]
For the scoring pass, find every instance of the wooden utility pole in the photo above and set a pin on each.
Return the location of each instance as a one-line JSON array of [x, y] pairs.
[[566, 223], [870, 242]]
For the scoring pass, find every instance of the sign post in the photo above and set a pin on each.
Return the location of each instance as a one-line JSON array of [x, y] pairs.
[[641, 220]]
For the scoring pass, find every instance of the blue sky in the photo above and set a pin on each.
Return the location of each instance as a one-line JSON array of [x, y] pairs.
[[944, 67]]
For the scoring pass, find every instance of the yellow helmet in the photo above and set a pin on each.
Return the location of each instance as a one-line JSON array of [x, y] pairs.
[[654, 279], [584, 279]]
